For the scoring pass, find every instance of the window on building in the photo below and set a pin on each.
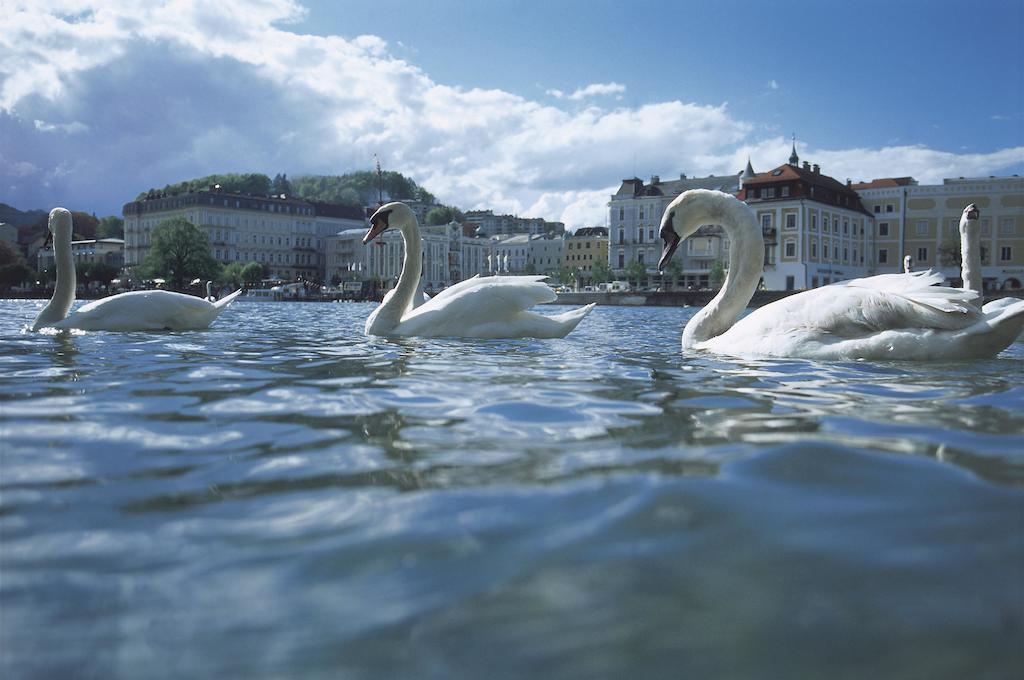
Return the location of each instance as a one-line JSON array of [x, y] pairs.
[[641, 215], [814, 221], [921, 227], [1005, 253], [1006, 226], [766, 221], [784, 191], [640, 235], [790, 249], [814, 282], [878, 209], [883, 255], [986, 226], [622, 260], [769, 192], [622, 213], [846, 226], [824, 223], [883, 228], [791, 221], [790, 283], [640, 257], [846, 255], [814, 249], [922, 254], [622, 236], [889, 207]]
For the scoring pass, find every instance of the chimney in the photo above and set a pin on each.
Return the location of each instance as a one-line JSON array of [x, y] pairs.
[[816, 169], [849, 182], [682, 175], [655, 179], [807, 166]]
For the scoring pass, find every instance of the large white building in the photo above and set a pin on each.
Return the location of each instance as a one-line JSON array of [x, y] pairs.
[[922, 222], [816, 228], [284, 234], [634, 216]]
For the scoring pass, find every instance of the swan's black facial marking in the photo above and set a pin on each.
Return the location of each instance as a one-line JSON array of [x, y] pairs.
[[671, 239], [378, 224], [972, 212], [49, 239], [381, 217]]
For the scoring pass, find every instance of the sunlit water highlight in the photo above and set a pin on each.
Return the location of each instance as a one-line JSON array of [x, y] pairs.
[[280, 496]]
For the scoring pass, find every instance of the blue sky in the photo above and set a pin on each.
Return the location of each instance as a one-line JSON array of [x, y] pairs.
[[536, 108]]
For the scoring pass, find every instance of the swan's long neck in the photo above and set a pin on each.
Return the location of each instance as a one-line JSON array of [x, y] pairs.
[[746, 264], [390, 313], [64, 289], [970, 255]]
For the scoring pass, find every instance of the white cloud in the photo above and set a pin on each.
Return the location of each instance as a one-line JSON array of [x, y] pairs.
[[159, 92], [773, 84], [71, 128], [592, 90]]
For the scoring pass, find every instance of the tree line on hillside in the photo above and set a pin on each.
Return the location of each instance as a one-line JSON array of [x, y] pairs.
[[354, 189]]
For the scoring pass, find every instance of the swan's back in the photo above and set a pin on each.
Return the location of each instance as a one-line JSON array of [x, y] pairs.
[[146, 310], [900, 316], [490, 307]]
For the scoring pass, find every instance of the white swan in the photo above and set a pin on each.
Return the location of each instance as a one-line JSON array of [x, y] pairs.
[[970, 262], [489, 307], [142, 310], [210, 297], [890, 316]]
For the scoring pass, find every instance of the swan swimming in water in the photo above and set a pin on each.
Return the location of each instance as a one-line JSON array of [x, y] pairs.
[[143, 310], [889, 316], [489, 307], [970, 262]]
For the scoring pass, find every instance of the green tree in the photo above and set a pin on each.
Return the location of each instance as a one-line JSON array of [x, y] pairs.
[[600, 272], [717, 274], [672, 273], [110, 227], [636, 271], [180, 251], [98, 271], [281, 185], [231, 275], [8, 253], [949, 252], [565, 276], [443, 214], [15, 274], [253, 272]]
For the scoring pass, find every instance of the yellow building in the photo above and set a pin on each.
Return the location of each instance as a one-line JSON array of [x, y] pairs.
[[583, 249], [922, 222]]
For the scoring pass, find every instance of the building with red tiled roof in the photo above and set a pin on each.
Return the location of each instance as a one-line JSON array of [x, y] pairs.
[[815, 227]]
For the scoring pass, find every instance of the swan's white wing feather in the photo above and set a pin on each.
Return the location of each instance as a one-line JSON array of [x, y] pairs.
[[145, 310], [851, 318], [495, 304]]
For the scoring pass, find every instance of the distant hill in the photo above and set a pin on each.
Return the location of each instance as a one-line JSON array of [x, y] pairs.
[[355, 189], [20, 218]]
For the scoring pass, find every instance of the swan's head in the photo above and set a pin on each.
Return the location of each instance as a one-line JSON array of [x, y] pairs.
[[971, 212], [394, 214], [59, 225], [691, 209]]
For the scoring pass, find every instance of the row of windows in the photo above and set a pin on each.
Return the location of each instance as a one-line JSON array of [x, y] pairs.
[[790, 251], [828, 223], [1005, 254], [1007, 227], [581, 245]]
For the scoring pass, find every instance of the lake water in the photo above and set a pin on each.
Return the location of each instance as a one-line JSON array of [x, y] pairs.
[[280, 496]]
